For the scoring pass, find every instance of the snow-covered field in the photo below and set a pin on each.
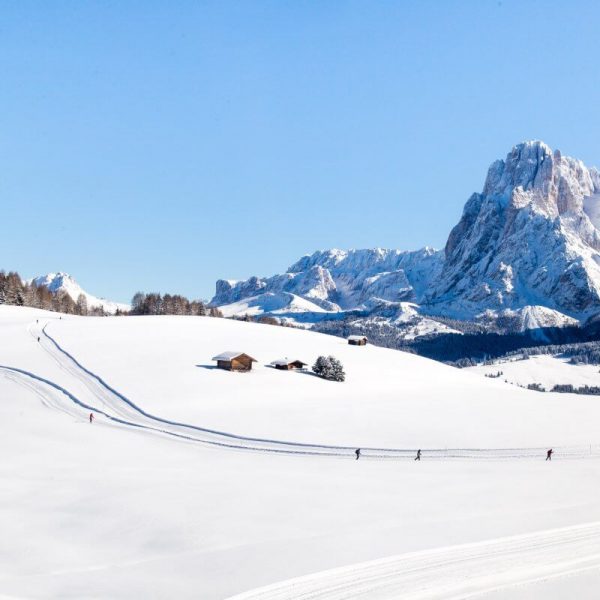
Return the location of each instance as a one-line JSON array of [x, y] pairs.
[[134, 506], [546, 370]]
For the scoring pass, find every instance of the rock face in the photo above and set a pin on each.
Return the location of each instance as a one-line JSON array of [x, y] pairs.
[[526, 240], [526, 250], [344, 279]]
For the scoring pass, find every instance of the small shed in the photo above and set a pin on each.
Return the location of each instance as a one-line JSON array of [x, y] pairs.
[[285, 364], [357, 340], [234, 361]]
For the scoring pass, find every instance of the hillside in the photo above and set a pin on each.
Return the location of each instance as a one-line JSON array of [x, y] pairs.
[[547, 370], [127, 507], [390, 398]]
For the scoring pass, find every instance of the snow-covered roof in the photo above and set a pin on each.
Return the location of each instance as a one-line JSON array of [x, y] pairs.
[[356, 338], [231, 354], [286, 361]]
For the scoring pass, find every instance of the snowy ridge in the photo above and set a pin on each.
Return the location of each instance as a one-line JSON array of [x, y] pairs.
[[464, 571], [63, 282], [525, 254]]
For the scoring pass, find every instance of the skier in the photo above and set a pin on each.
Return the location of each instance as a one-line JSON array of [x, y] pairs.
[[38, 338], [357, 452], [549, 454], [91, 417], [418, 457]]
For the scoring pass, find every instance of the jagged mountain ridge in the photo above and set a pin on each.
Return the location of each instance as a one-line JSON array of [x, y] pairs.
[[525, 253], [63, 282]]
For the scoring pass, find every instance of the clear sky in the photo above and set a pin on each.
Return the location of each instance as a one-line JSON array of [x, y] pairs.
[[162, 145]]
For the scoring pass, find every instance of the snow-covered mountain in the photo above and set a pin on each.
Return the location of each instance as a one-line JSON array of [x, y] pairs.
[[525, 254], [63, 282], [526, 240]]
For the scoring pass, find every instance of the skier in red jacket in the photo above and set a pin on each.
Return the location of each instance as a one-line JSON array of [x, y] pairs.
[[91, 417]]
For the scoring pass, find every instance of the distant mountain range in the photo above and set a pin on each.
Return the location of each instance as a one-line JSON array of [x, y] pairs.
[[524, 255], [63, 282]]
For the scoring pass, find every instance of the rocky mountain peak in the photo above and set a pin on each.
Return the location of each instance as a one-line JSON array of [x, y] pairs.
[[533, 175]]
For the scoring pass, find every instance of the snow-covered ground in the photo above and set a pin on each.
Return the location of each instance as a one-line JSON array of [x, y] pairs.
[[545, 369], [117, 509]]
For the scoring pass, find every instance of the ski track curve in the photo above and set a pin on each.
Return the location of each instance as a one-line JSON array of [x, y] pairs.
[[117, 408], [450, 573]]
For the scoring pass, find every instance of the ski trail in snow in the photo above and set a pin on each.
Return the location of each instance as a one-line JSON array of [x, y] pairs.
[[104, 400], [452, 572]]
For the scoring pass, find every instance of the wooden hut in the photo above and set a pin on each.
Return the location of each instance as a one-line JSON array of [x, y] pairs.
[[284, 364], [357, 340], [234, 361]]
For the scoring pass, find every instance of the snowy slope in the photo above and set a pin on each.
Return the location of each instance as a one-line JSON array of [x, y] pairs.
[[390, 398], [282, 305], [113, 510], [63, 282], [545, 369]]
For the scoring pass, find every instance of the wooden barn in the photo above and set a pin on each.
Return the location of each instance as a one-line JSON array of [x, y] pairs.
[[234, 361], [357, 340], [284, 364]]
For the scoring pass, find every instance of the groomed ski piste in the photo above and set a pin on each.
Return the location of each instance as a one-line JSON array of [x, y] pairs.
[[195, 482]]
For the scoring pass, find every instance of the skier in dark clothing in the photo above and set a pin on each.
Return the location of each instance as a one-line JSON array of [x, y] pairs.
[[418, 457], [357, 452], [91, 417], [38, 338], [549, 454]]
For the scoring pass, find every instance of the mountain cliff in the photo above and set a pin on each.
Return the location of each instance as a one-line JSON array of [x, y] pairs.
[[525, 254]]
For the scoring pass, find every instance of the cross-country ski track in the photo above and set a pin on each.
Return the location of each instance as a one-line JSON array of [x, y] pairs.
[[450, 573], [104, 400]]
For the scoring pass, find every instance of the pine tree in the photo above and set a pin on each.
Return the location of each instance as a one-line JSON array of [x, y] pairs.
[[337, 369], [330, 368]]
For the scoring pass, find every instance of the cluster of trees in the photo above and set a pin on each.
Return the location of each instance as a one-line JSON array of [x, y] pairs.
[[265, 320], [15, 291], [329, 367], [567, 388], [495, 375], [536, 387], [155, 304]]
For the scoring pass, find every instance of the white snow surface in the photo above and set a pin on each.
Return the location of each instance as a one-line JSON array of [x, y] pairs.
[[545, 369], [125, 508], [63, 282]]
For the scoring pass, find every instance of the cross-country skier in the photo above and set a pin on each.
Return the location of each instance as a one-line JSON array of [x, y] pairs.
[[549, 454], [38, 338], [357, 452], [91, 417], [418, 457]]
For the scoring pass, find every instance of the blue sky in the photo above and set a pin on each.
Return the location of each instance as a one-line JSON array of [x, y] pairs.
[[162, 145]]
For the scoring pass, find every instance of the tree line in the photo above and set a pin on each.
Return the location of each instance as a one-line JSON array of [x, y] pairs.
[[156, 304], [15, 291]]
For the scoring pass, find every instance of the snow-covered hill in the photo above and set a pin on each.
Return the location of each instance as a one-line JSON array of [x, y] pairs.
[[151, 501], [63, 282], [546, 370], [525, 254]]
